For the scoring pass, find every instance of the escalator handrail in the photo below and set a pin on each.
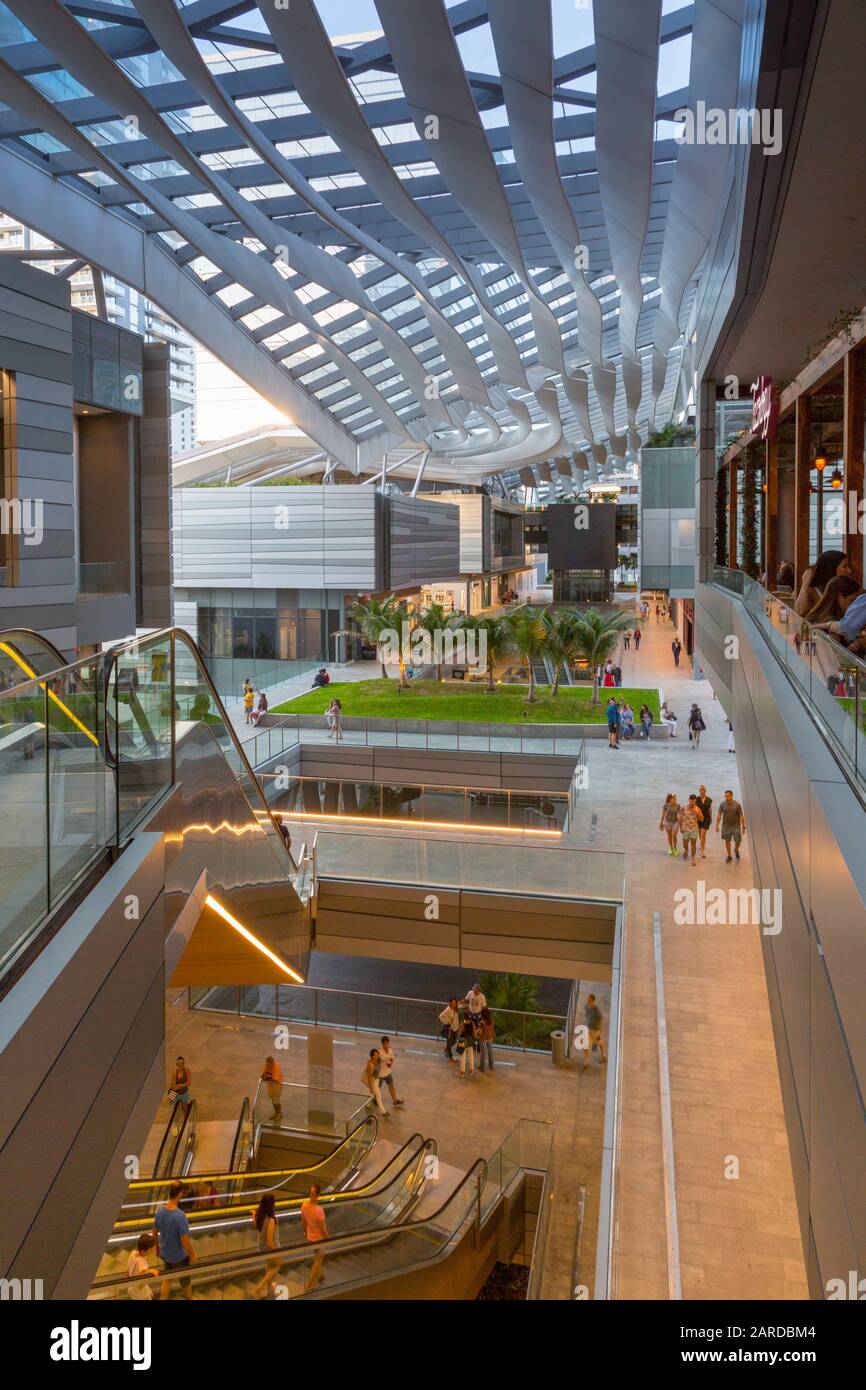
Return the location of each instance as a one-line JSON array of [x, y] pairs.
[[334, 1244], [244, 1117], [179, 633], [142, 1184], [165, 1139], [228, 1215], [9, 633]]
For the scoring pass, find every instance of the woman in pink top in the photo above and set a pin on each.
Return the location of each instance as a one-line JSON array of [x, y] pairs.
[[315, 1229]]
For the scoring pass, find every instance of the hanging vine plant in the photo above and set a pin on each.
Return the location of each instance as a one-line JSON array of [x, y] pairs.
[[749, 550], [722, 517]]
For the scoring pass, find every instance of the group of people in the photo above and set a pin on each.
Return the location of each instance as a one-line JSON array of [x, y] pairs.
[[832, 600], [692, 819], [172, 1245], [621, 722], [468, 1030], [254, 711]]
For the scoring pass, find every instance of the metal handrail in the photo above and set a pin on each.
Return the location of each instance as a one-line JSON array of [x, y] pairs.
[[283, 1174], [244, 1119], [395, 999], [476, 1175]]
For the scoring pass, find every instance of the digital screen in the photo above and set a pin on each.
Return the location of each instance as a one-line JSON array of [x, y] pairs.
[[581, 536]]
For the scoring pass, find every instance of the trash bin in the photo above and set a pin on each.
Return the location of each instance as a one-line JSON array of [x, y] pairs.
[[557, 1047]]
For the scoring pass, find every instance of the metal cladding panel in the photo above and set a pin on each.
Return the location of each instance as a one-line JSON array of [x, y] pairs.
[[424, 541], [276, 537]]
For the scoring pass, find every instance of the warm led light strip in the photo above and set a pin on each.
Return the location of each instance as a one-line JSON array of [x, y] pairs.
[[418, 824], [28, 670], [211, 901]]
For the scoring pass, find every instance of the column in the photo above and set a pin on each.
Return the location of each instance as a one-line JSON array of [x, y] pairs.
[[733, 471], [771, 512], [802, 471], [854, 404]]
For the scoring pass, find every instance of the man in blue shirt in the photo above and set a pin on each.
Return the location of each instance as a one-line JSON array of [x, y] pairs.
[[612, 723], [853, 620], [173, 1245]]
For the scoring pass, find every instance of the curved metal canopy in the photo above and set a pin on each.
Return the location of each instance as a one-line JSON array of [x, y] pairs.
[[397, 250]]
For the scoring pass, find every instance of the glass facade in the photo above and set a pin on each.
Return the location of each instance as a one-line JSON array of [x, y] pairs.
[[277, 629]]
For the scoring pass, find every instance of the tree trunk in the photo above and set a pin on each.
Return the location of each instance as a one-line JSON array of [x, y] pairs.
[[530, 699], [384, 672], [490, 686], [439, 671], [595, 699], [557, 672]]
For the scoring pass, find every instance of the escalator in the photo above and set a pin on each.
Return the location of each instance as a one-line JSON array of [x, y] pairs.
[[209, 1192], [542, 676], [25, 654], [442, 1254], [227, 1234], [134, 738]]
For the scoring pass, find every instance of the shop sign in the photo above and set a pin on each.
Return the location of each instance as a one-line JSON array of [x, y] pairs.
[[765, 407]]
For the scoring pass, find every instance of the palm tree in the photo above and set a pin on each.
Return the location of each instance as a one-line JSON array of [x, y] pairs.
[[495, 632], [511, 994], [561, 644], [528, 634], [597, 636], [433, 621], [377, 619]]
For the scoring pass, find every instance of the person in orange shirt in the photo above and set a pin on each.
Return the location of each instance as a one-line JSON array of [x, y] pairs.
[[272, 1075], [315, 1229]]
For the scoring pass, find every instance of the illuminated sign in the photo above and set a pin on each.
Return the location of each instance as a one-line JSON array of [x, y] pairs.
[[765, 407]]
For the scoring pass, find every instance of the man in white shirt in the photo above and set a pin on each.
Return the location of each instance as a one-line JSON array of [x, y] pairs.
[[386, 1069], [138, 1265], [476, 1001]]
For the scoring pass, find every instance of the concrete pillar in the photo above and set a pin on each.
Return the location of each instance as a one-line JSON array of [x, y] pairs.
[[802, 471], [854, 404]]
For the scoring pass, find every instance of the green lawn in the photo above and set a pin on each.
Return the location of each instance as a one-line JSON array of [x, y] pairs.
[[378, 699]]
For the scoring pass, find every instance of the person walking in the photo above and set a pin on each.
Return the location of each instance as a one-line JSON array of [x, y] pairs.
[[617, 675], [181, 1080], [612, 713], [608, 674], [268, 1239], [669, 821], [731, 748], [626, 641], [173, 1244], [733, 824], [249, 696], [705, 806], [272, 1076], [593, 1038], [450, 1020], [138, 1266], [637, 639], [486, 1034], [646, 721], [370, 1078], [658, 610], [285, 832], [696, 726], [690, 820], [334, 717], [315, 1230], [386, 1070], [676, 648], [467, 1041]]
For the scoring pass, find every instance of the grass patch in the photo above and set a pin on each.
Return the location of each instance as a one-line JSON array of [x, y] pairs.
[[380, 699]]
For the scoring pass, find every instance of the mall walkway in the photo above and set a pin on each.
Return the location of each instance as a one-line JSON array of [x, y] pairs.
[[738, 1237]]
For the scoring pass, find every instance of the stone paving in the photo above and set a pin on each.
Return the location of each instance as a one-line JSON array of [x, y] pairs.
[[739, 1237]]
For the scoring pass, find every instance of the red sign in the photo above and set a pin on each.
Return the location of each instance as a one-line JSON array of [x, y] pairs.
[[765, 407]]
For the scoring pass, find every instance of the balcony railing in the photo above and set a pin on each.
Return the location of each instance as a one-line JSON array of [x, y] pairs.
[[98, 578], [829, 678]]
